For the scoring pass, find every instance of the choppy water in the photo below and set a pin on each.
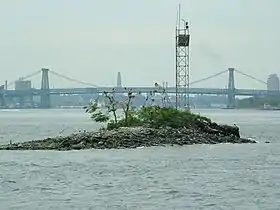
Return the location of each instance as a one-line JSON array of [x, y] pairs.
[[191, 177]]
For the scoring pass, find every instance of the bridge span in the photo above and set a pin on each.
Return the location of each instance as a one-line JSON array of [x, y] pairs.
[[45, 91], [99, 90]]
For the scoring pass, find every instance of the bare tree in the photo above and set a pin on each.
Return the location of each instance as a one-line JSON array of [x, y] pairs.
[[113, 104]]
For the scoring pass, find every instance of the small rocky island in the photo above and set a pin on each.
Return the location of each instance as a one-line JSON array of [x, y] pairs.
[[133, 137], [148, 126]]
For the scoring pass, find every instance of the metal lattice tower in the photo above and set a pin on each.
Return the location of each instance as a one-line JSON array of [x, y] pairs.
[[182, 64], [45, 87]]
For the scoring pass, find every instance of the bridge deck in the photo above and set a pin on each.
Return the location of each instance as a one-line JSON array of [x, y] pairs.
[[80, 91]]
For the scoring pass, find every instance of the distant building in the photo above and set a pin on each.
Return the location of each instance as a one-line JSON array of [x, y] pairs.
[[119, 80], [22, 85], [273, 82]]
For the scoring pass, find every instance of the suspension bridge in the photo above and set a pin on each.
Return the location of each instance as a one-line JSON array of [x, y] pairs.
[[45, 91]]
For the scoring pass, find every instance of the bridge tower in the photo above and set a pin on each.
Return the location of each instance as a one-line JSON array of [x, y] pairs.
[[45, 88], [231, 89], [182, 63], [2, 99], [119, 80]]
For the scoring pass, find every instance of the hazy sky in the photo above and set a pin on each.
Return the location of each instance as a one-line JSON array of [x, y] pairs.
[[91, 40]]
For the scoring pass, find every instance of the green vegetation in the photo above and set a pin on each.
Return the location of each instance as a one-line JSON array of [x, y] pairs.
[[152, 115], [258, 102]]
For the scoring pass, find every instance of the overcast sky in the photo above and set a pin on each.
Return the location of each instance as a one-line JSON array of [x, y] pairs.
[[91, 40]]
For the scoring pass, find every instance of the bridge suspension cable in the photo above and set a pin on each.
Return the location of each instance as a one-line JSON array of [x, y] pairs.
[[25, 77], [207, 78], [73, 80], [251, 77]]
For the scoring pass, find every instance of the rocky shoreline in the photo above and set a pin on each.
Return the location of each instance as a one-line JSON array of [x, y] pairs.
[[133, 137]]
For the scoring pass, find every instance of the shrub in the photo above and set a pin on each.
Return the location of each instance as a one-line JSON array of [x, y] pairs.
[[153, 116]]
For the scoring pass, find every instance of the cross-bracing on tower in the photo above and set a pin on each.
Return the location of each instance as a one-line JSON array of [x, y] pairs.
[[182, 63]]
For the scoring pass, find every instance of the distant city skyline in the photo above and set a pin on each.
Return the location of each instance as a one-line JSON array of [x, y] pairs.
[[91, 41]]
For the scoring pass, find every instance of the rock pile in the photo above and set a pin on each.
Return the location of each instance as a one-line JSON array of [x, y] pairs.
[[133, 137]]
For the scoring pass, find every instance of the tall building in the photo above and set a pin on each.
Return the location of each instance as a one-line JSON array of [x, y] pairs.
[[273, 82]]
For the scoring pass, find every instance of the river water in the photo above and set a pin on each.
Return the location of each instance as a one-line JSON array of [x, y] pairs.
[[164, 178]]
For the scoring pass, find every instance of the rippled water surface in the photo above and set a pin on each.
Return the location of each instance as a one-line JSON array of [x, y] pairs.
[[190, 177]]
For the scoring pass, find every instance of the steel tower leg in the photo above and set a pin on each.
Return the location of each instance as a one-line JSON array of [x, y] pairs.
[[231, 89], [45, 88], [182, 65]]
